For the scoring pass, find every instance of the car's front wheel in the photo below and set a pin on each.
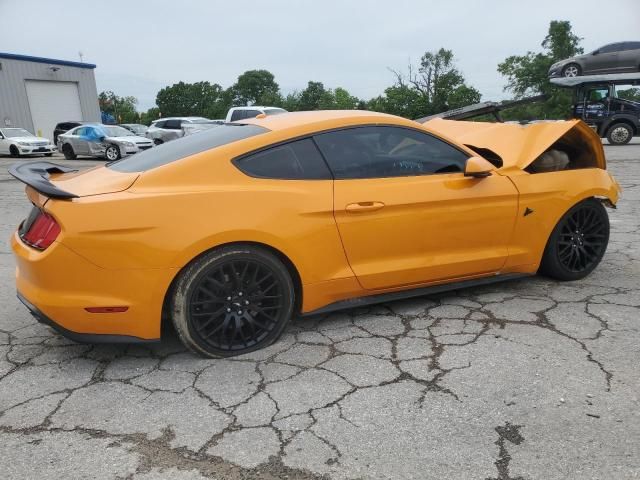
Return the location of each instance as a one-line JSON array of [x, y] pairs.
[[112, 153], [13, 150], [571, 70], [232, 300], [577, 243]]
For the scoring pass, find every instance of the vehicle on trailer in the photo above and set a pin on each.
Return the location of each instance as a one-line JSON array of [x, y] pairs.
[[18, 142], [232, 232], [166, 129], [241, 113], [110, 142], [610, 104], [619, 57], [135, 128]]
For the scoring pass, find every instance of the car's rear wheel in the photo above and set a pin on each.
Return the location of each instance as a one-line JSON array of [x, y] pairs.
[[68, 152], [619, 134], [231, 301], [578, 242], [13, 150], [571, 70], [112, 153]]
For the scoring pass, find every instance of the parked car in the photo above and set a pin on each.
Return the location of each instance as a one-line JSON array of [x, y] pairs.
[[617, 57], [105, 141], [194, 127], [170, 128], [240, 113], [212, 232], [135, 128], [64, 127], [18, 141]]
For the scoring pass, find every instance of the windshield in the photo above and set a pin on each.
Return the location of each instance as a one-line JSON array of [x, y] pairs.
[[137, 128], [112, 131], [16, 132]]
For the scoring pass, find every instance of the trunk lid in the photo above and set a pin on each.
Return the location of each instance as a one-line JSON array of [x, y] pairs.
[[56, 181]]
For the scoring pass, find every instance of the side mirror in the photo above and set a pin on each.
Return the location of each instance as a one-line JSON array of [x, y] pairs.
[[478, 167]]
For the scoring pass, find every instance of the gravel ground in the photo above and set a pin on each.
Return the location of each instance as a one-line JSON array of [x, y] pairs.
[[525, 380]]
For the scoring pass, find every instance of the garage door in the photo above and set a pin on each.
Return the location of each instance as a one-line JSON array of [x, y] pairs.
[[51, 103]]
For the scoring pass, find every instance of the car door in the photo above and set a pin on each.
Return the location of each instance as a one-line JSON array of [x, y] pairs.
[[629, 56], [407, 214], [78, 140], [596, 103], [604, 59]]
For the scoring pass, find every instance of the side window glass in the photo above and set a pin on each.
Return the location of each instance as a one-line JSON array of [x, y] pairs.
[[299, 160], [378, 152], [80, 132], [251, 113], [237, 115]]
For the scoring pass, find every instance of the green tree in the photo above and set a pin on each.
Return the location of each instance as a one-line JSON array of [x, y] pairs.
[[312, 97], [123, 109], [197, 99], [527, 74], [256, 87]]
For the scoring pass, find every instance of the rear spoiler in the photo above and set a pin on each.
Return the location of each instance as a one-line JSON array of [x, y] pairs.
[[36, 175]]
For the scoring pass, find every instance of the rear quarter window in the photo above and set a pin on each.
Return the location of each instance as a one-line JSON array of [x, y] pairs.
[[186, 146], [298, 160]]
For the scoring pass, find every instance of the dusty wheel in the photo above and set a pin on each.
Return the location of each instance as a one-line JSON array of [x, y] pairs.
[[13, 150], [231, 301], [571, 70], [68, 152], [112, 153], [619, 134], [578, 242]]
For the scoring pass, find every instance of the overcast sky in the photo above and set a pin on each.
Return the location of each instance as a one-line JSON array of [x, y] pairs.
[[142, 46]]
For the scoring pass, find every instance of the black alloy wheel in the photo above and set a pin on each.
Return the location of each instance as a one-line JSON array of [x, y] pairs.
[[13, 150], [578, 242], [232, 301]]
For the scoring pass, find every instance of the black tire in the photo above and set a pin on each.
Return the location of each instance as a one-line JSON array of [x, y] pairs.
[[571, 70], [157, 141], [68, 152], [112, 153], [13, 150], [232, 300], [578, 242], [48, 154], [619, 134]]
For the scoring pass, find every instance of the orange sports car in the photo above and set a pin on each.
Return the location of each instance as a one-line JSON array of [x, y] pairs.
[[231, 232]]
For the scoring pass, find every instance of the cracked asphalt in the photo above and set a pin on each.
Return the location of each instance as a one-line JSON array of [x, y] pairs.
[[531, 379]]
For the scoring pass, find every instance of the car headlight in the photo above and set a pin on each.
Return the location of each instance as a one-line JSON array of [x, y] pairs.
[[129, 144], [24, 144]]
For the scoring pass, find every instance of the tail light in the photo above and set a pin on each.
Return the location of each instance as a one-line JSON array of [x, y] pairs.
[[39, 230]]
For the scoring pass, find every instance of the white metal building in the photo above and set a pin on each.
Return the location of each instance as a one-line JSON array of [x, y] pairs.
[[37, 93]]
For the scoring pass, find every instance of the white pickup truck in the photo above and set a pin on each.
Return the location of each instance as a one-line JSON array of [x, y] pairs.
[[240, 113]]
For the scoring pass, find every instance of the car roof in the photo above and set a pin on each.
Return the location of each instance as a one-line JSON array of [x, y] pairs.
[[313, 119]]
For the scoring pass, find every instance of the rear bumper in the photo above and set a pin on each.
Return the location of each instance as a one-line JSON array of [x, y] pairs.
[[75, 336], [57, 285]]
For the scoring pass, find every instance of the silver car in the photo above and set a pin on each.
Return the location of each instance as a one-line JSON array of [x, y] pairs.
[[105, 141], [170, 128], [621, 57]]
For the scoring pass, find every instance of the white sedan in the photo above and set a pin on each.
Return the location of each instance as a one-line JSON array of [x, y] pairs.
[[18, 141]]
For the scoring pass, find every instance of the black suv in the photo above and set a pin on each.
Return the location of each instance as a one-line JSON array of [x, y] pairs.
[[64, 127]]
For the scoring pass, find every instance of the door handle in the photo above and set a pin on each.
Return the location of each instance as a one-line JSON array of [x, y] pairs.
[[363, 207]]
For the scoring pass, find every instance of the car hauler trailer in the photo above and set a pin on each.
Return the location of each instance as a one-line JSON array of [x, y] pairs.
[[610, 104]]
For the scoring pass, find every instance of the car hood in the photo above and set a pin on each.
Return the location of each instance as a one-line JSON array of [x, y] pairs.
[[517, 145], [128, 138], [29, 139], [94, 181]]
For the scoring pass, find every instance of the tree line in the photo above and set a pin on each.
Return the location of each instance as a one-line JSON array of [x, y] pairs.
[[432, 86]]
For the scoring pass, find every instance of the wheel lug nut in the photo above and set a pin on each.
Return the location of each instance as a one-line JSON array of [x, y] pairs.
[[228, 310], [239, 294], [239, 312], [228, 298], [246, 302]]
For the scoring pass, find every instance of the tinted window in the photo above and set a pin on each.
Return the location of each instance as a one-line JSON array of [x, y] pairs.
[[173, 124], [376, 152], [237, 115], [160, 124], [183, 147], [251, 113], [614, 47], [292, 161]]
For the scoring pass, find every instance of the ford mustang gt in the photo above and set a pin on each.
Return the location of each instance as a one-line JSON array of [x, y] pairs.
[[231, 232]]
